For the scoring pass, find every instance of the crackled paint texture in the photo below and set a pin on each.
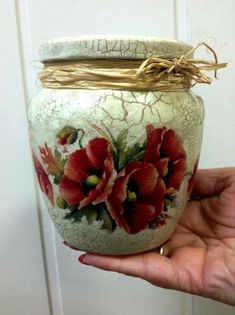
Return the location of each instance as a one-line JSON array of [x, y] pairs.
[[97, 111], [111, 47], [90, 114]]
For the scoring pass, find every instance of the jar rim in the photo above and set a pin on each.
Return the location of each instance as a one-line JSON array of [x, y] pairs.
[[111, 46]]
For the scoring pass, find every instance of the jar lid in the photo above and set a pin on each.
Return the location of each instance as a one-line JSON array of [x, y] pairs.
[[100, 46]]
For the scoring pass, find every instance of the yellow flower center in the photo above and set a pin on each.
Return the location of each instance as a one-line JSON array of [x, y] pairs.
[[131, 196], [92, 181]]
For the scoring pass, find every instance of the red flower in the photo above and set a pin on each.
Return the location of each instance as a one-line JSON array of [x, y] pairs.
[[165, 151], [191, 180], [67, 135], [43, 180], [88, 174], [137, 197]]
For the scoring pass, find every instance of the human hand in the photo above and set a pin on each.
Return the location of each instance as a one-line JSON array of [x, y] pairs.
[[201, 252]]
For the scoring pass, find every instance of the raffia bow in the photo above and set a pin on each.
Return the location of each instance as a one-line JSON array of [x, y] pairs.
[[179, 70], [119, 74]]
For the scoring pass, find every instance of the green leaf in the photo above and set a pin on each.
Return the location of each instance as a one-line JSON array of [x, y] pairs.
[[108, 223], [57, 169], [171, 197], [73, 207], [124, 154], [122, 160], [132, 151], [115, 158], [120, 146], [61, 162], [120, 143], [139, 156], [135, 153], [57, 179], [89, 212], [61, 203], [65, 130], [72, 213], [72, 138], [168, 203], [157, 222]]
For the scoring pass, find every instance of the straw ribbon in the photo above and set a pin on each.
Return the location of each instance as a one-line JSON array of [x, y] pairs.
[[122, 74]]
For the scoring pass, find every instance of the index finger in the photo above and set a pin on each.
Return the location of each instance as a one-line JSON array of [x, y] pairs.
[[149, 266]]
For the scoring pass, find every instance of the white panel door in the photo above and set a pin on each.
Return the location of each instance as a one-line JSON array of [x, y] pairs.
[[23, 288]]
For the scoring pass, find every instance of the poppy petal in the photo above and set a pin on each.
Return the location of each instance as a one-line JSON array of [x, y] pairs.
[[43, 180], [103, 189], [162, 166], [134, 165], [139, 216], [154, 141], [175, 179], [157, 198], [145, 178], [172, 145], [135, 215], [96, 151], [77, 166], [106, 183], [115, 201], [70, 191]]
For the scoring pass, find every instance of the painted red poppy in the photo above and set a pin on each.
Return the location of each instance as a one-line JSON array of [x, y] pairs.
[[165, 151], [43, 180], [88, 174], [192, 178], [137, 197]]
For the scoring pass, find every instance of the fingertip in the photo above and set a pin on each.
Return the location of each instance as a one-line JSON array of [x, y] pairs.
[[98, 261], [82, 259], [90, 259]]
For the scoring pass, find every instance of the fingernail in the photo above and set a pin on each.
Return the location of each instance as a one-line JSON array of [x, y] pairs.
[[81, 259]]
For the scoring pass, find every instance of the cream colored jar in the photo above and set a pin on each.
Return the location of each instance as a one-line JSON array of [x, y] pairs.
[[115, 167]]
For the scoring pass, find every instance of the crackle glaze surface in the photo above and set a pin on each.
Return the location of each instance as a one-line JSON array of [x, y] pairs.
[[103, 112], [115, 167], [135, 47]]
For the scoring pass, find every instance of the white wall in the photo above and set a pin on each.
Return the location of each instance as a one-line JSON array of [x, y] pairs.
[[38, 275]]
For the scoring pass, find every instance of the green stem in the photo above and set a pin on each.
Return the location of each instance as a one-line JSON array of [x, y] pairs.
[[81, 137]]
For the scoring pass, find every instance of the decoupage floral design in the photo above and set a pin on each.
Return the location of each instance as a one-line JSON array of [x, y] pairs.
[[137, 197], [191, 181], [126, 186], [88, 174], [165, 151], [43, 180]]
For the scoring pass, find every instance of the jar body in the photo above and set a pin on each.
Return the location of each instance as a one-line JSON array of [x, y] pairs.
[[115, 167]]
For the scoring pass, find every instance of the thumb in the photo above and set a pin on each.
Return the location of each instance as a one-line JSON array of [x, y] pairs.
[[149, 266]]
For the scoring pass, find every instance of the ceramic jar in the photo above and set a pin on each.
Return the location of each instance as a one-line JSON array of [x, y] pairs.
[[115, 167]]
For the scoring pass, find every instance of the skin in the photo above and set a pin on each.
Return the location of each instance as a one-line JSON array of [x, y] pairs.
[[201, 252]]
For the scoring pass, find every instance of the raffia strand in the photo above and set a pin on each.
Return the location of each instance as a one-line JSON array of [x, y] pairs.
[[124, 74]]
